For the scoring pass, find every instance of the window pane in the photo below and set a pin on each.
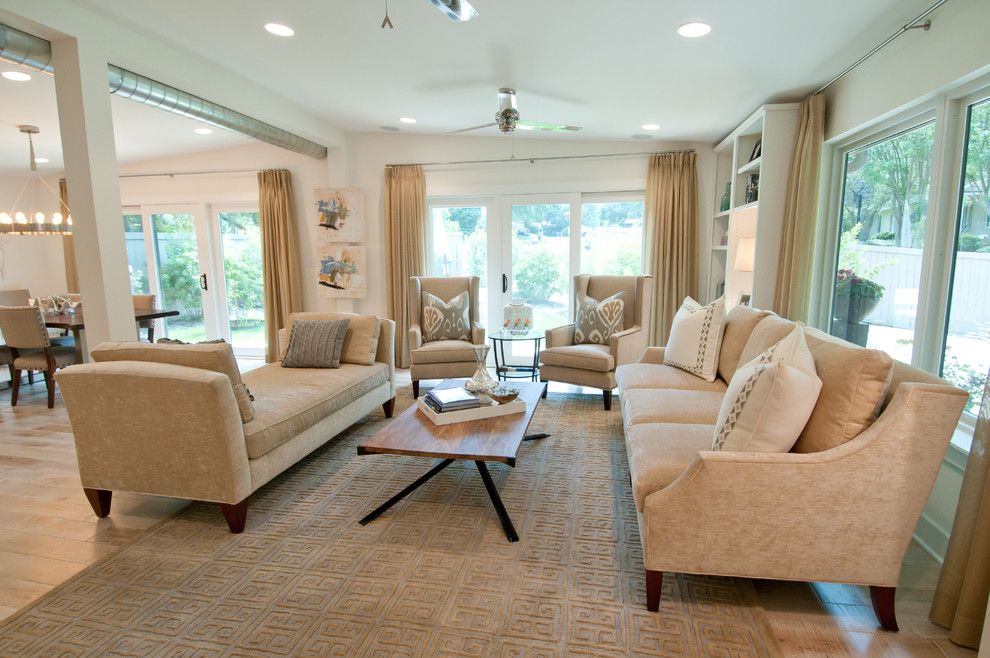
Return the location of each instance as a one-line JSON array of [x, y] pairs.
[[178, 273], [137, 257], [967, 340], [612, 238], [541, 248], [460, 247], [884, 211], [240, 236]]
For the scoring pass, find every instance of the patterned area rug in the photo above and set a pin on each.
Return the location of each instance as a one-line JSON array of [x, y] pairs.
[[433, 576]]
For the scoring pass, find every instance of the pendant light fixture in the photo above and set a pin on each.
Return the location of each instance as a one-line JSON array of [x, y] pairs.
[[25, 216]]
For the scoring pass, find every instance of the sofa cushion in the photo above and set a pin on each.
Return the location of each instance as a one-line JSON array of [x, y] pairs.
[[696, 338], [650, 405], [739, 325], [443, 351], [360, 341], [290, 400], [659, 452], [854, 385], [445, 320], [650, 375], [769, 399], [315, 344], [595, 321], [768, 332], [218, 357], [586, 356]]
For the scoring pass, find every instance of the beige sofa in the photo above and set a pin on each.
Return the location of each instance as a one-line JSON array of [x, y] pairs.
[[844, 513], [144, 424]]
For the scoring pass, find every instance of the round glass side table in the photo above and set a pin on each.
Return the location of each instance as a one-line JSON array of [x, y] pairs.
[[504, 370]]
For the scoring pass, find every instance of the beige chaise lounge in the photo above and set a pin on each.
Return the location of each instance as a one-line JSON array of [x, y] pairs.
[[143, 424], [845, 514]]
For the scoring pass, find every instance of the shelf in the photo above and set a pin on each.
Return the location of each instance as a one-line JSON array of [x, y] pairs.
[[748, 206], [754, 165], [720, 215]]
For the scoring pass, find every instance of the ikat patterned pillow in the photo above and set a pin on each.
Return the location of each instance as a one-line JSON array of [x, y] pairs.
[[446, 320], [595, 321]]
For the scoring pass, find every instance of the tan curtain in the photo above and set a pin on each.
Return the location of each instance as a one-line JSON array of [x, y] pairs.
[[792, 296], [68, 246], [405, 245], [280, 254], [670, 237], [960, 602]]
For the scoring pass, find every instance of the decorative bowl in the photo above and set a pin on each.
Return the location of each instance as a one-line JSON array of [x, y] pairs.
[[503, 394]]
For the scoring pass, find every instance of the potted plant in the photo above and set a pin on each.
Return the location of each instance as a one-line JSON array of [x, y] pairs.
[[855, 297]]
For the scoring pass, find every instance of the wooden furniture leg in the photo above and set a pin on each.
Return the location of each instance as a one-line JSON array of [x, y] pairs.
[[415, 389], [607, 397], [236, 515], [15, 387], [30, 377], [389, 407], [99, 500], [654, 583], [151, 333], [50, 385], [883, 606]]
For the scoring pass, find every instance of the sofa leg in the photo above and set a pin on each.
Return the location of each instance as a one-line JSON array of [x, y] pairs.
[[546, 387], [415, 389], [99, 500], [654, 583], [607, 397], [883, 606], [15, 387], [235, 514], [389, 407]]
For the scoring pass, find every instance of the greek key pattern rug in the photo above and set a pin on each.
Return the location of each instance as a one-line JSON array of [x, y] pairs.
[[434, 576]]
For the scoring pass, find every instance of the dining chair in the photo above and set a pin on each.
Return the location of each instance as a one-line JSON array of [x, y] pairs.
[[31, 348], [146, 303], [13, 297]]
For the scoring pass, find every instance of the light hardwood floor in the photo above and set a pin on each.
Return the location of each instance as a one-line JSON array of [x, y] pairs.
[[48, 533]]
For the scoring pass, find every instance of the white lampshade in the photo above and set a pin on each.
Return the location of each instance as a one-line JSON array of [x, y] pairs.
[[745, 255]]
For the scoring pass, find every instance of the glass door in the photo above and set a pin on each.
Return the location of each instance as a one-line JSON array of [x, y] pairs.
[[241, 299], [458, 245]]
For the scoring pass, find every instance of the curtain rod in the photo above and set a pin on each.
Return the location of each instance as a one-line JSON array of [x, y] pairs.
[[540, 158], [910, 25], [173, 174]]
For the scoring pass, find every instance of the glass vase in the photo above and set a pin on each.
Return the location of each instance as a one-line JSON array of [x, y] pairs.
[[481, 381]]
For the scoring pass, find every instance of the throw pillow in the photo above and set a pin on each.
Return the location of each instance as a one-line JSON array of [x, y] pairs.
[[315, 344], [769, 399], [595, 321], [446, 320], [360, 342], [696, 338]]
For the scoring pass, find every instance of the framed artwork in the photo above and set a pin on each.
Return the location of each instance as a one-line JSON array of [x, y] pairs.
[[744, 299], [342, 272], [339, 214]]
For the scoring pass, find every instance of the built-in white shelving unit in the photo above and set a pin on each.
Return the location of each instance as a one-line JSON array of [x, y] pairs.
[[753, 211]]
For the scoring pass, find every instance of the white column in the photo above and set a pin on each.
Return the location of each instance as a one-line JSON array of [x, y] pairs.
[[90, 159]]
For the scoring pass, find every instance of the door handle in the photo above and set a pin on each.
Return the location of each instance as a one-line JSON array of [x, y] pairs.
[[202, 282], [505, 283]]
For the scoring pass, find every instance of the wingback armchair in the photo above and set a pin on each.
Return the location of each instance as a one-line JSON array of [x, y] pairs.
[[592, 364], [437, 359]]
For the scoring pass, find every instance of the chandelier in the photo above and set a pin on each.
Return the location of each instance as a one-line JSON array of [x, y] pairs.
[[25, 216]]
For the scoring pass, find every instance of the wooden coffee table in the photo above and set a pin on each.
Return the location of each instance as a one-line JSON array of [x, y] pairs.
[[489, 439]]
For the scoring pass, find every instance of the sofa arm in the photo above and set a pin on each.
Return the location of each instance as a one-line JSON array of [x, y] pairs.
[[415, 337], [386, 350], [626, 346], [652, 355], [843, 515], [477, 335], [560, 336], [158, 429]]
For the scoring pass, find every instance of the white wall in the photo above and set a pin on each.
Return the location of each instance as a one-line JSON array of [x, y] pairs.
[[29, 261]]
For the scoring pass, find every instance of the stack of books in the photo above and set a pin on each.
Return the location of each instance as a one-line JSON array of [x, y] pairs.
[[445, 400]]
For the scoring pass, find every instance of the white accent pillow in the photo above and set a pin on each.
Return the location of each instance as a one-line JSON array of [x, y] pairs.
[[696, 337], [769, 399]]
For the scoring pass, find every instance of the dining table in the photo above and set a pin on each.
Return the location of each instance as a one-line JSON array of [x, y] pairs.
[[76, 322]]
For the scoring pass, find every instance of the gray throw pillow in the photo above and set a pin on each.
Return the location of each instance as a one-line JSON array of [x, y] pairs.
[[595, 321], [315, 344], [446, 320]]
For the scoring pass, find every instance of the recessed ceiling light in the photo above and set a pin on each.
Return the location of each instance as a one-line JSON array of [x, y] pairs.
[[203, 131], [694, 29], [650, 126], [41, 160], [279, 30], [407, 120], [16, 76]]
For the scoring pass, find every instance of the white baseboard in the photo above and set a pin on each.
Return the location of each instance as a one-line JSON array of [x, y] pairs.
[[932, 537]]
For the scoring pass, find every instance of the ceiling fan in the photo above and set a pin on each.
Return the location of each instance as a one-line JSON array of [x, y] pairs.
[[507, 117]]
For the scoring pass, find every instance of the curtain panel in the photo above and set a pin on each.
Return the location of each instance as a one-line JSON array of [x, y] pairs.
[[792, 295], [670, 240], [280, 254], [68, 245], [405, 245]]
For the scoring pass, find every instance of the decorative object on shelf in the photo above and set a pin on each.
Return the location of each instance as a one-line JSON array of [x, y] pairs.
[[757, 150], [752, 188], [481, 381], [518, 317], [342, 271], [340, 214], [855, 297], [724, 240], [726, 198], [745, 255], [503, 393], [744, 299], [24, 216]]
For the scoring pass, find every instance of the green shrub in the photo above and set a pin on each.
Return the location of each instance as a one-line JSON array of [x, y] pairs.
[[537, 276], [970, 242]]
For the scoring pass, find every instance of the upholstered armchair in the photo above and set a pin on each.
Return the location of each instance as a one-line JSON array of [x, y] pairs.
[[31, 348], [439, 359], [592, 364]]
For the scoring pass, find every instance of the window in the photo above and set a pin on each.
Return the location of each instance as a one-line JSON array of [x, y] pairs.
[[137, 255], [240, 246], [459, 246], [612, 237], [966, 356]]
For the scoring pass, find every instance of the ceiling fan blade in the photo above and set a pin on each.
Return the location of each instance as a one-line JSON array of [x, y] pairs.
[[547, 127], [464, 130], [456, 10]]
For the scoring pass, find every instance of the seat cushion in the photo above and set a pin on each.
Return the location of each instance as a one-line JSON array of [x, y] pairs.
[[651, 405], [443, 351], [291, 400], [739, 325], [585, 357], [652, 375], [659, 452], [36, 360]]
